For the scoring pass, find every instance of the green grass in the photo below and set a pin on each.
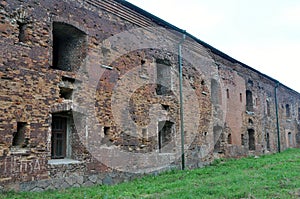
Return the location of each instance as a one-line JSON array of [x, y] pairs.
[[269, 176]]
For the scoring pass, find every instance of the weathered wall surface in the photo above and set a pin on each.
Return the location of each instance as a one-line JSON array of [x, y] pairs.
[[89, 94]]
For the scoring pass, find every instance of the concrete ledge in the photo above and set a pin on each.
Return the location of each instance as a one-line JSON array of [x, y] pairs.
[[63, 161]]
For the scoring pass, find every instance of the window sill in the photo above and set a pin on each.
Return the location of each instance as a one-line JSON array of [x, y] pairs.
[[250, 112], [23, 44], [19, 151], [63, 161]]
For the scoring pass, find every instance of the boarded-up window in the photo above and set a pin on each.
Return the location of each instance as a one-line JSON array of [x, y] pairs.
[[164, 81], [215, 92], [249, 101]]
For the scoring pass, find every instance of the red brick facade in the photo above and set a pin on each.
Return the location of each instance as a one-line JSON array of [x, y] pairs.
[[89, 94]]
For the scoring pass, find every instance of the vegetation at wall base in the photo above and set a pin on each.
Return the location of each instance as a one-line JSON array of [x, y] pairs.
[[267, 176]]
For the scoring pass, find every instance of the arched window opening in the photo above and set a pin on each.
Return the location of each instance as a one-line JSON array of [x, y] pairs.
[[290, 139], [227, 93], [22, 26], [229, 139], [288, 110]]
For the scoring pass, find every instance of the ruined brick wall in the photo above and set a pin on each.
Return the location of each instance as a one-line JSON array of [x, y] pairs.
[[262, 118], [111, 74]]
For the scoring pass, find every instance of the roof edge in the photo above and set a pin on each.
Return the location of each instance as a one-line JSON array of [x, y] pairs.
[[166, 24]]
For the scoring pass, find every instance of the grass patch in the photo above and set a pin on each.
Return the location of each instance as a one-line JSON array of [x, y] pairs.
[[269, 176]]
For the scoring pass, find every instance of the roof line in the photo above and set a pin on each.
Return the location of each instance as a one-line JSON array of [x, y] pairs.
[[166, 24]]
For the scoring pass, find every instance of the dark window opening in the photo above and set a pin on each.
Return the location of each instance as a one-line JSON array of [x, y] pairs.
[[22, 31], [242, 140], [163, 69], [241, 97], [65, 93], [106, 130], [268, 141], [250, 82], [229, 139], [251, 136], [298, 113], [250, 121], [249, 101], [68, 79], [165, 107], [69, 47], [59, 137], [202, 82], [287, 110], [19, 136], [164, 134], [227, 93], [107, 138]]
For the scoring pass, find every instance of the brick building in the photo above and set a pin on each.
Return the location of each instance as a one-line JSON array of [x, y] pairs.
[[90, 95]]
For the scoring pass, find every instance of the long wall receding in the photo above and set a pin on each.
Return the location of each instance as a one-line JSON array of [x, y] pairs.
[[90, 94]]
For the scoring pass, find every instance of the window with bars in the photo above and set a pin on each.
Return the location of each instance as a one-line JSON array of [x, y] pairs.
[[59, 137]]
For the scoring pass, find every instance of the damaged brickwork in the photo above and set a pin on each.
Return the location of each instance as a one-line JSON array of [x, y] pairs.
[[89, 94]]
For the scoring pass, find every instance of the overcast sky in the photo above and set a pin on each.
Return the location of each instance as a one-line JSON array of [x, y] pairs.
[[264, 34]]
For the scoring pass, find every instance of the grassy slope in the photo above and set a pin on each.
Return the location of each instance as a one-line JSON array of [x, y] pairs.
[[269, 176]]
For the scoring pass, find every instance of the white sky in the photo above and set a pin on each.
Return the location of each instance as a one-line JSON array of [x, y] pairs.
[[264, 34]]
